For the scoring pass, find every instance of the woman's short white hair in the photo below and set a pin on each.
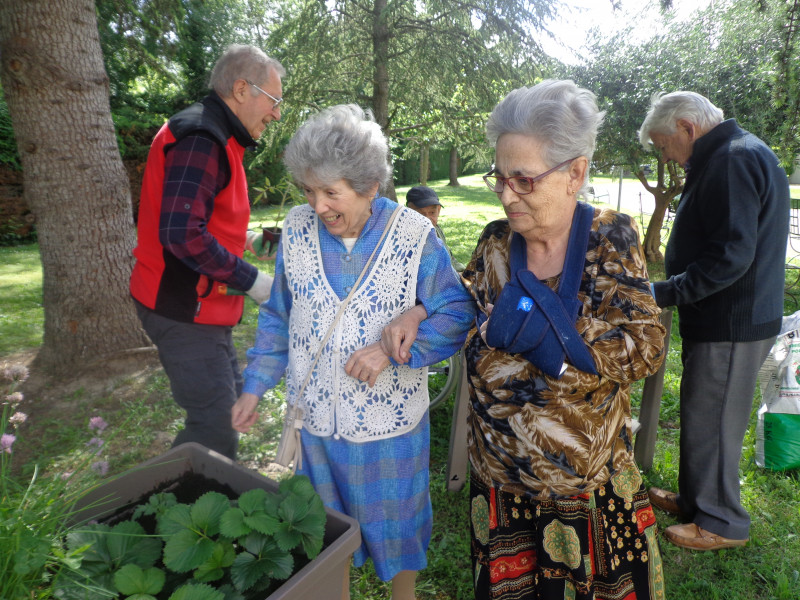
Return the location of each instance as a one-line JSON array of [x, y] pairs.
[[667, 109], [242, 62], [341, 142], [563, 118]]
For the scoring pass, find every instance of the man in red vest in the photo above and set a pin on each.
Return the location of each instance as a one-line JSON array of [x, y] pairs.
[[192, 233]]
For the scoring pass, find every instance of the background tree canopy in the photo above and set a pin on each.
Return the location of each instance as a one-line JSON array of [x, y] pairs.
[[430, 70]]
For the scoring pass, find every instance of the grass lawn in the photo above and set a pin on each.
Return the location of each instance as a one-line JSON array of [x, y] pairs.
[[143, 420]]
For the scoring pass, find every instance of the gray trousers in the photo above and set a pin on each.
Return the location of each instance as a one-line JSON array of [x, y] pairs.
[[204, 376], [717, 389]]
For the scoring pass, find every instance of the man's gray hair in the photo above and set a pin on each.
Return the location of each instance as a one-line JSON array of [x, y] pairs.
[[242, 62], [563, 117], [667, 109], [341, 142]]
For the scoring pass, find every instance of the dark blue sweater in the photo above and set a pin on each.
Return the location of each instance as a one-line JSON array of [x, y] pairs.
[[725, 257]]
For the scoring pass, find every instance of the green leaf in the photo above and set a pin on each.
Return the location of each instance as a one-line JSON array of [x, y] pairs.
[[232, 524], [254, 543], [287, 537], [298, 484], [208, 510], [312, 545], [245, 571], [175, 519], [129, 543], [312, 526], [293, 508], [231, 593], [187, 550], [221, 558], [32, 555], [262, 522], [91, 541], [252, 500], [277, 562], [197, 591], [271, 562], [132, 579], [156, 504]]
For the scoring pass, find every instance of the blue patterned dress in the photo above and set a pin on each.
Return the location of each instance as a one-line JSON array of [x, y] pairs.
[[383, 484]]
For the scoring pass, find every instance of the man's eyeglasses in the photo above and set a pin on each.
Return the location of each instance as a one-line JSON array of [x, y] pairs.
[[277, 101], [518, 184]]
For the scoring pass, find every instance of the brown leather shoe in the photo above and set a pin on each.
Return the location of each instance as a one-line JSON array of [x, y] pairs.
[[689, 535], [665, 500]]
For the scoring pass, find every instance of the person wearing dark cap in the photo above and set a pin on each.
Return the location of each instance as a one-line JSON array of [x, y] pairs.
[[425, 201]]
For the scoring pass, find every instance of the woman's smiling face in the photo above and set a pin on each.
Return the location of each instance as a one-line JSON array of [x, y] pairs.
[[342, 210]]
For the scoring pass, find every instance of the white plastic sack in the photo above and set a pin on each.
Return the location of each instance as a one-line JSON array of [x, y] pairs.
[[778, 425]]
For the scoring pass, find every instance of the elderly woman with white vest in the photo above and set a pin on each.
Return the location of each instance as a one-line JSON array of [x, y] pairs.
[[365, 435]]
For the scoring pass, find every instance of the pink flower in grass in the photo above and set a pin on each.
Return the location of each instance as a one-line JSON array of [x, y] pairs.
[[100, 467], [15, 373], [97, 423], [18, 418], [96, 441], [6, 441], [14, 399]]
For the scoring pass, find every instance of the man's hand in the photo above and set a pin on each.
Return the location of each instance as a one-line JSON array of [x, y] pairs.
[[255, 244], [367, 363], [261, 288], [398, 336], [243, 414]]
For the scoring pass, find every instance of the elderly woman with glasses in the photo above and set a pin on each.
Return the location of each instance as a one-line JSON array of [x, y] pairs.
[[566, 323], [365, 434]]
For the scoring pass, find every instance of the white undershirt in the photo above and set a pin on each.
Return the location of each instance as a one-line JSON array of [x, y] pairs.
[[349, 243]]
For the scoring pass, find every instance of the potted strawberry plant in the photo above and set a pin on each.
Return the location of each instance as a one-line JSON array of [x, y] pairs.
[[246, 538]]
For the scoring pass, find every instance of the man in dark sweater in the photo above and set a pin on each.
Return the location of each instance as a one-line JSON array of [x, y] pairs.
[[725, 272]]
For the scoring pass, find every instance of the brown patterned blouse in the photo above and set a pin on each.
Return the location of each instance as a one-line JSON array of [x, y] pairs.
[[530, 432]]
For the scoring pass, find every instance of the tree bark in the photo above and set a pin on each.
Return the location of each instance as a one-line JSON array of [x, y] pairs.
[[454, 163], [56, 89], [424, 163], [380, 74], [669, 185]]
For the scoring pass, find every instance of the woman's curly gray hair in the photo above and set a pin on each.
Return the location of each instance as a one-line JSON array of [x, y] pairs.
[[563, 117], [341, 142]]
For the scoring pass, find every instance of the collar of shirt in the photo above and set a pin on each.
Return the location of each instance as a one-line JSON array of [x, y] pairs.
[[238, 130]]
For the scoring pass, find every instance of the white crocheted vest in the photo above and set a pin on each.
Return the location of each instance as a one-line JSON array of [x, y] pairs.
[[334, 402]]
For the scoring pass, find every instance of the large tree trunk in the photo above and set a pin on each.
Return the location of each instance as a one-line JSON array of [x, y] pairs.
[[454, 163], [424, 163], [57, 93], [380, 74]]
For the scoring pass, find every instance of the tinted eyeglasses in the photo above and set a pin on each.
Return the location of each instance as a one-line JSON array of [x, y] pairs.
[[518, 184]]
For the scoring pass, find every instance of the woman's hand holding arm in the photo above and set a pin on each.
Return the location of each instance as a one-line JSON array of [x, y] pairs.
[[485, 324], [397, 336], [243, 414], [367, 363]]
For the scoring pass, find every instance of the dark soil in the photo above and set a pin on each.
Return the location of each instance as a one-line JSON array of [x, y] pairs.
[[187, 489]]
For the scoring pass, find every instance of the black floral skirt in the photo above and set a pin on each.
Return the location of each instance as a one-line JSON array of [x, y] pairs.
[[597, 546]]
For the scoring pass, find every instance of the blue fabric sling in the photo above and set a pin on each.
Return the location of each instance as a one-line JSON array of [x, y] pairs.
[[531, 319]]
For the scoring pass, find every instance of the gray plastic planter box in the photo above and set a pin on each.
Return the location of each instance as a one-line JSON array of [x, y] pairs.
[[321, 579]]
